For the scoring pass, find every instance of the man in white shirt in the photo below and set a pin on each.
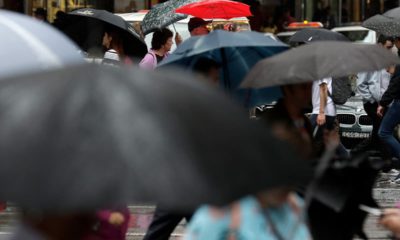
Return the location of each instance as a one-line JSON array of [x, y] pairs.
[[323, 116]]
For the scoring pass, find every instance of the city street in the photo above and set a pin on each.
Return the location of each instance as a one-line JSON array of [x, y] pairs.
[[387, 194]]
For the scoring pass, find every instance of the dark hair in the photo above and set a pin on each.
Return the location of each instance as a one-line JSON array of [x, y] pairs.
[[382, 39], [160, 37], [203, 65]]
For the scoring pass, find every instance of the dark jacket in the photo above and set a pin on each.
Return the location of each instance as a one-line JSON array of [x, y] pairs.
[[393, 90], [278, 116]]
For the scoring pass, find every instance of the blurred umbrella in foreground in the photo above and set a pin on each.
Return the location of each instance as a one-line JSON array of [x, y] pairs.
[[237, 52], [318, 60], [316, 34], [31, 46], [87, 27], [89, 137]]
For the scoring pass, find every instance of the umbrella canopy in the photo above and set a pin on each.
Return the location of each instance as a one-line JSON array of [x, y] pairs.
[[336, 198], [384, 25], [318, 60], [225, 9], [90, 136], [393, 13], [163, 14], [316, 34], [30, 46], [237, 52], [87, 27]]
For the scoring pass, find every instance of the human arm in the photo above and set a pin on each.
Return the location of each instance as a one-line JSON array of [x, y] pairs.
[[178, 39], [362, 87], [323, 99]]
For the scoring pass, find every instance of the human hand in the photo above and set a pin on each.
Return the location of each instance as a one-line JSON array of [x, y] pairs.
[[116, 218], [178, 38], [391, 220], [321, 119], [380, 110]]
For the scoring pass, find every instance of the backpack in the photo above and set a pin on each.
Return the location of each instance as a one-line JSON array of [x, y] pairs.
[[342, 89]]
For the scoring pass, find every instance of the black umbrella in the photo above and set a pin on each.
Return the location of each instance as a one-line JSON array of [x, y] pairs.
[[336, 196], [384, 25], [87, 136], [87, 27], [316, 34], [318, 60]]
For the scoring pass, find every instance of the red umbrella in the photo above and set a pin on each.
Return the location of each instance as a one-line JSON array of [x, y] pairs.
[[216, 9]]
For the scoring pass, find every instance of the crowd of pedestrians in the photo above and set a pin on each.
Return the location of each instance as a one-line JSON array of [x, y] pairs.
[[283, 212]]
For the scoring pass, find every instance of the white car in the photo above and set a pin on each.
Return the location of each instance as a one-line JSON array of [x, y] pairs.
[[357, 34], [181, 26]]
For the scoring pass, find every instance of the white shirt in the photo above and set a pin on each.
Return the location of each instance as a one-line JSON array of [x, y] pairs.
[[384, 81], [330, 109]]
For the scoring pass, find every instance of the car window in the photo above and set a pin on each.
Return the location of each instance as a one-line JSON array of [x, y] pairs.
[[356, 36]]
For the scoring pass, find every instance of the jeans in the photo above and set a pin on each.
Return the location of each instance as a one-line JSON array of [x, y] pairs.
[[389, 122]]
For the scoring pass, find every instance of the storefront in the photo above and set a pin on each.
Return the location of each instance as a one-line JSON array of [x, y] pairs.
[[345, 11], [53, 6]]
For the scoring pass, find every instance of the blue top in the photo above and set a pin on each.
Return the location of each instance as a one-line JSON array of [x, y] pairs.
[[254, 225]]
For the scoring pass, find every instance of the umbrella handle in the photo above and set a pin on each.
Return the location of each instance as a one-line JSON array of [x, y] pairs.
[[173, 25]]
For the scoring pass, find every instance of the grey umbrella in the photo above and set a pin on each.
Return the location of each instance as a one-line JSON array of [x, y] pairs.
[[30, 46], [87, 137], [393, 13], [384, 25], [317, 61]]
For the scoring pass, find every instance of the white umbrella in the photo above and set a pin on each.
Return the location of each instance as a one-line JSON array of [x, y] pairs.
[[30, 46]]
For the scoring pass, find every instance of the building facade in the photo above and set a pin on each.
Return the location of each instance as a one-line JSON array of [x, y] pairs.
[[337, 11]]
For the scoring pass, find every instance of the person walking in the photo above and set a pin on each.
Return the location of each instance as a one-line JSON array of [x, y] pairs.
[[161, 44], [323, 116], [390, 101], [371, 87]]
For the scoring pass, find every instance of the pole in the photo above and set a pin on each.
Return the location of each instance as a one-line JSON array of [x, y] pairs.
[[362, 10], [340, 13]]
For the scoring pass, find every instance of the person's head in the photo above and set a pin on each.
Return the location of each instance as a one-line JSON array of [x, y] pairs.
[[40, 14], [198, 26], [162, 40], [299, 95], [386, 42], [208, 68], [113, 40]]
